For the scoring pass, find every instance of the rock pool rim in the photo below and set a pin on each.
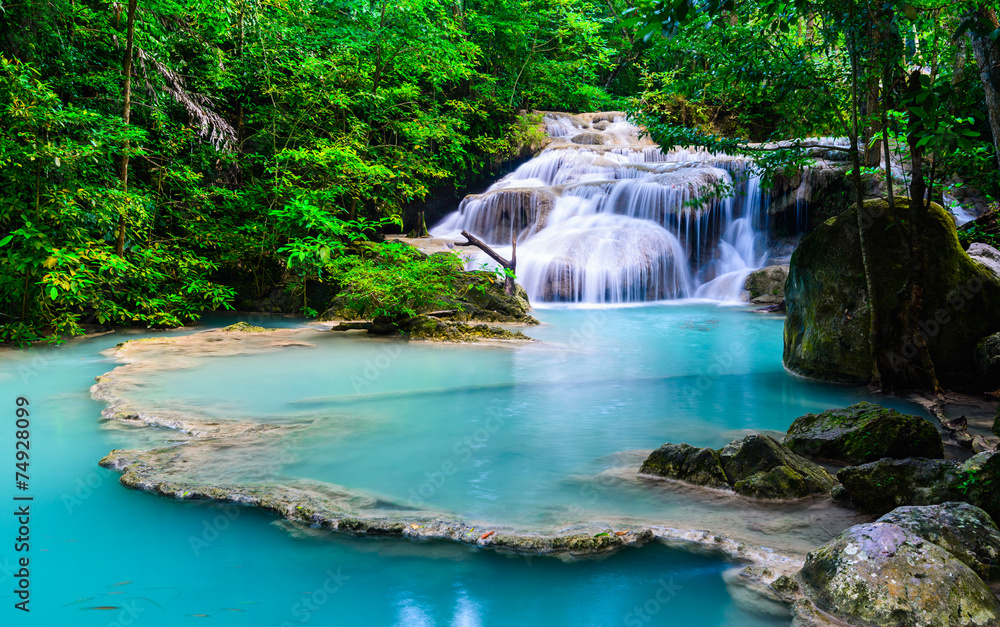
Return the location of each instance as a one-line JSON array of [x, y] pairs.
[[300, 507]]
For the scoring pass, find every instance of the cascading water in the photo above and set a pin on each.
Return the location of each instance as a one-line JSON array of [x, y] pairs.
[[602, 215]]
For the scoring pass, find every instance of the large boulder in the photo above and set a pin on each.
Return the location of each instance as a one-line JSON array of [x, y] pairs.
[[863, 432], [881, 486], [965, 531], [683, 462], [827, 326], [757, 466], [767, 285], [882, 575]]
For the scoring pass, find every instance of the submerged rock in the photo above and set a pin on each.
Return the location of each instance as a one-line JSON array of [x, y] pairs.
[[757, 466], [881, 574], [881, 486], [767, 285], [965, 531], [827, 326], [863, 432]]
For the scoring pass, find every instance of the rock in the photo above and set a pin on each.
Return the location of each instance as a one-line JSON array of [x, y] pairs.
[[683, 462], [767, 285], [243, 327], [590, 139], [428, 328], [862, 433], [956, 424], [881, 486], [881, 574], [987, 358], [986, 256], [981, 444], [760, 467], [826, 329], [965, 531], [757, 466], [479, 297], [996, 423]]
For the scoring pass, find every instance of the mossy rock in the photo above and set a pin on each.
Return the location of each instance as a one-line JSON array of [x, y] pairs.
[[683, 462], [243, 327], [863, 432], [767, 285], [965, 531], [882, 574], [433, 329], [881, 486], [760, 467], [827, 325], [757, 466]]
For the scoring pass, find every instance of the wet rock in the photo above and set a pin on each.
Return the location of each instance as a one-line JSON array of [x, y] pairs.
[[760, 467], [767, 285], [590, 139], [243, 327], [881, 486], [863, 432], [965, 531], [882, 574], [986, 256], [477, 296], [757, 466], [429, 328], [683, 462], [826, 329]]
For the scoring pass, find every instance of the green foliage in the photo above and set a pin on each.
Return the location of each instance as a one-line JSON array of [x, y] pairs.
[[393, 281]]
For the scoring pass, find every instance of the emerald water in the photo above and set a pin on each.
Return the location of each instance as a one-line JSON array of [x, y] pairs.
[[532, 436]]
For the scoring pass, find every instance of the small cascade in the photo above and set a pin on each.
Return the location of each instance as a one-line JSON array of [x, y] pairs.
[[602, 216]]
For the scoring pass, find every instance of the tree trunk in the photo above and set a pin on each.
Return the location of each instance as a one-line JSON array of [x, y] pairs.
[[126, 114], [511, 265], [859, 199], [987, 54]]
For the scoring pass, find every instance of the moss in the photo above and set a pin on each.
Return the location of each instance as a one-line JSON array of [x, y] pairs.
[[826, 329], [243, 327], [432, 329], [864, 432]]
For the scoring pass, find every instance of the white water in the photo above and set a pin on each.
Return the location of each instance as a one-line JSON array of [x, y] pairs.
[[604, 216]]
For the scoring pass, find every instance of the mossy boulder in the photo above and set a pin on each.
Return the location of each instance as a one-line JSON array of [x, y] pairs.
[[863, 432], [965, 531], [433, 329], [882, 575], [767, 285], [827, 325], [757, 466], [478, 296], [881, 486], [760, 467], [683, 462]]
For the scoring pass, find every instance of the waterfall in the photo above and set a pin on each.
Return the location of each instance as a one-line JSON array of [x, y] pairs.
[[602, 215]]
